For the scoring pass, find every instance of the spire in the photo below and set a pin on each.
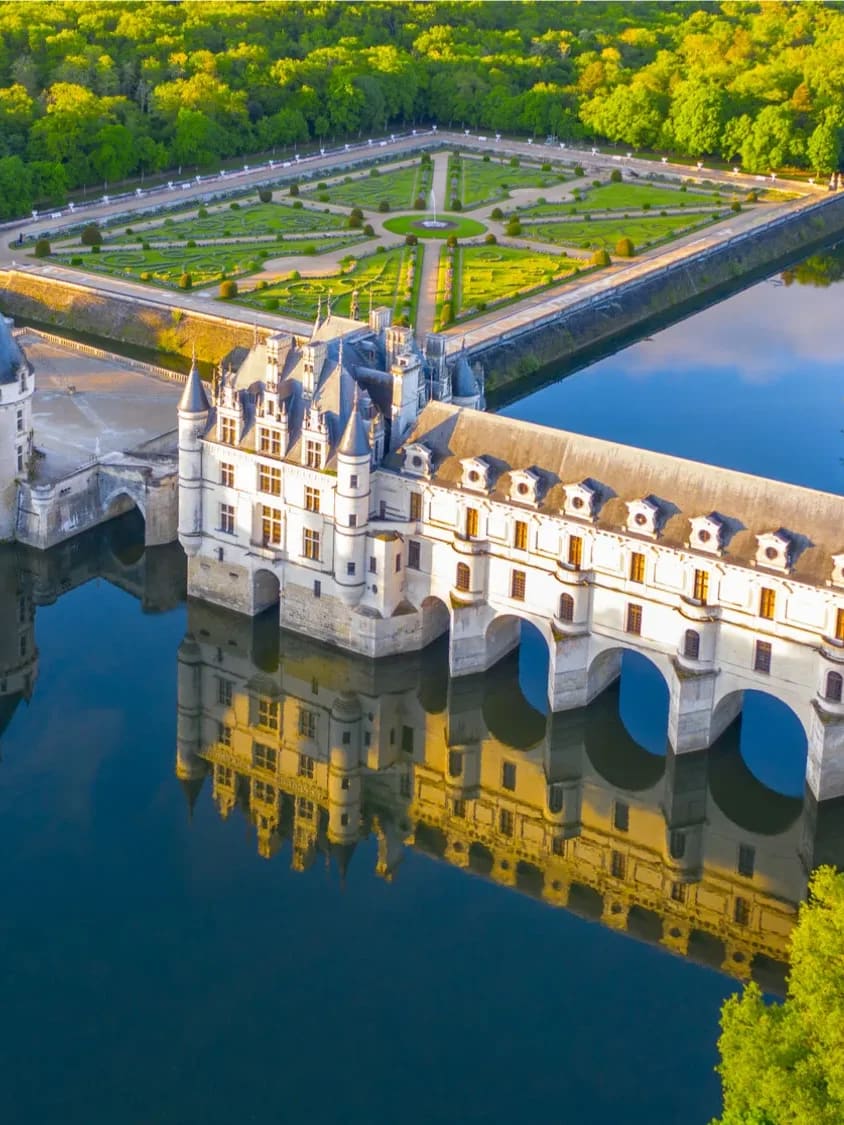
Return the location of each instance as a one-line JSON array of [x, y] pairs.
[[194, 399], [191, 788], [328, 303], [355, 441], [318, 320]]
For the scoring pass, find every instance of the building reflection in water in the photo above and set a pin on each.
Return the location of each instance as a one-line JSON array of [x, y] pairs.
[[321, 749], [29, 579]]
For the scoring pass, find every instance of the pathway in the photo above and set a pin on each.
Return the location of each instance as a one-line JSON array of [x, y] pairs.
[[427, 303]]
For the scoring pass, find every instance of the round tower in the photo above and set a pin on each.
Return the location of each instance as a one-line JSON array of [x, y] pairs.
[[344, 775], [190, 767], [351, 506], [193, 421], [16, 389]]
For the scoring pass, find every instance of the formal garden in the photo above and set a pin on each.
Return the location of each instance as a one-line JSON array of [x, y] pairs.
[[474, 181], [396, 189]]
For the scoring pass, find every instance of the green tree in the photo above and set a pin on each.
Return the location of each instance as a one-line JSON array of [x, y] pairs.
[[783, 1064], [824, 148], [772, 142], [16, 197], [696, 118]]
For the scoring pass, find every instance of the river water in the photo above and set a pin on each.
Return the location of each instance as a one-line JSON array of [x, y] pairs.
[[192, 930]]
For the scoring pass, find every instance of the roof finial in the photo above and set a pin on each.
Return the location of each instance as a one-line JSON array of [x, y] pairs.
[[193, 353]]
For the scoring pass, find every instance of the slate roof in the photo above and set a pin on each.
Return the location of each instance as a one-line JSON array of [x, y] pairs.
[[11, 356]]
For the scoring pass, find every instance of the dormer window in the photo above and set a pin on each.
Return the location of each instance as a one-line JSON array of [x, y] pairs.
[[707, 534], [524, 487], [417, 460], [837, 576], [475, 474], [313, 454], [581, 500], [643, 517], [773, 551]]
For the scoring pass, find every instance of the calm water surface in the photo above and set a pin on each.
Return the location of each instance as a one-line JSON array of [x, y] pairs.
[[202, 946]]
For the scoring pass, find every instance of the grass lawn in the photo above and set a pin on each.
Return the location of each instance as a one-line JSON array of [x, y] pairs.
[[480, 182], [603, 234], [629, 197], [493, 273], [205, 264], [409, 224], [386, 276], [399, 187], [247, 221]]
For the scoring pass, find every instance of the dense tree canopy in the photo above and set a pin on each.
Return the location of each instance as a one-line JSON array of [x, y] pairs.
[[783, 1064], [95, 92]]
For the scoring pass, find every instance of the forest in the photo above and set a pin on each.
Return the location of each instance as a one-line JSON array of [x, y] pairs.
[[94, 93]]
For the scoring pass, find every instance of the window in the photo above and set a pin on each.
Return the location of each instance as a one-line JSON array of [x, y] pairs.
[[345, 782], [304, 808], [228, 431], [20, 421], [373, 564], [263, 792], [701, 592], [575, 551], [269, 441], [558, 845], [353, 480], [413, 555], [416, 505], [310, 544], [458, 808], [344, 819], [767, 603], [555, 798], [398, 563], [517, 585], [566, 608], [637, 567], [270, 525], [678, 892], [505, 822], [746, 860], [839, 625], [382, 509], [741, 911], [455, 763], [471, 522], [350, 569], [264, 757], [762, 657], [834, 684], [677, 845], [691, 644], [269, 479], [307, 723], [22, 645], [634, 620], [227, 474], [407, 740], [313, 454], [353, 519], [224, 691], [223, 775], [20, 459], [406, 785], [463, 578], [227, 518], [224, 734], [317, 589], [520, 535], [307, 765], [621, 816], [617, 865], [312, 499], [508, 776], [268, 714]]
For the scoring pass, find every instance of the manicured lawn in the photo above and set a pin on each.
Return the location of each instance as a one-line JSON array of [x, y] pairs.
[[461, 228], [630, 197], [247, 221], [480, 182], [487, 274], [205, 264], [386, 276], [399, 188], [604, 233]]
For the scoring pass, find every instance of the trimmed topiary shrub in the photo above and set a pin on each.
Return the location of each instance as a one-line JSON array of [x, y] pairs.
[[203, 212], [384, 206], [419, 203], [451, 241], [735, 206], [261, 284], [234, 206], [596, 183], [446, 314], [145, 246], [77, 261], [265, 195], [513, 228], [294, 276], [91, 235], [95, 249], [411, 240], [42, 248], [369, 230], [490, 239], [270, 303], [497, 214], [578, 170], [323, 197], [185, 281], [486, 158], [624, 248], [293, 189], [514, 162], [615, 176], [752, 196], [191, 244], [600, 258], [456, 205], [298, 205], [145, 276], [356, 213], [646, 206], [355, 222], [228, 289], [373, 172]]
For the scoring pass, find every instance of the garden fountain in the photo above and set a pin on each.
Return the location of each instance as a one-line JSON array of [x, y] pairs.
[[433, 223]]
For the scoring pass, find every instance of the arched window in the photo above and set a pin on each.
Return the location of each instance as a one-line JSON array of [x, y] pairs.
[[834, 684], [691, 644], [555, 798], [566, 607], [463, 577]]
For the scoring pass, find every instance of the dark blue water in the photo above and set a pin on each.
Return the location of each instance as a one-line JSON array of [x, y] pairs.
[[155, 968]]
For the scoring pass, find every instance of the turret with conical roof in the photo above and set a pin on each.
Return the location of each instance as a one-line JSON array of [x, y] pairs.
[[194, 409], [16, 388], [351, 504]]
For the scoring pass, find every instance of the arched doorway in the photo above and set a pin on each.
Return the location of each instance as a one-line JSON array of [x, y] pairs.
[[265, 591]]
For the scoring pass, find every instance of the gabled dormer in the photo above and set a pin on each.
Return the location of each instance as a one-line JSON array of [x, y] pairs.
[[774, 550], [525, 487], [644, 517], [581, 500], [837, 576], [475, 474], [707, 534], [417, 460]]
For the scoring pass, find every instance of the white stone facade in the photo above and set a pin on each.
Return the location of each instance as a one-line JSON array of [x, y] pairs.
[[17, 384]]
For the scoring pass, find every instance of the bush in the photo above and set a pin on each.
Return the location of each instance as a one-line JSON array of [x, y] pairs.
[[451, 241], [446, 313], [735, 206], [185, 281], [514, 162], [355, 222], [168, 222], [298, 205], [356, 213], [323, 197], [77, 261], [228, 289], [42, 248], [95, 249], [265, 195], [261, 284], [481, 306], [513, 228], [145, 276], [190, 244], [294, 276], [600, 258], [310, 249], [596, 183], [410, 240], [490, 239], [380, 249], [419, 203], [203, 212], [129, 230], [373, 172], [369, 230], [270, 303], [293, 189], [683, 187], [456, 205], [145, 246], [624, 248], [425, 158], [497, 214], [234, 206], [384, 206], [752, 196], [615, 176], [578, 170], [91, 235], [486, 158], [546, 168], [646, 206]]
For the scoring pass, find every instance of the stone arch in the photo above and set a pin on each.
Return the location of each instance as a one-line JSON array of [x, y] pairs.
[[266, 590], [124, 537], [615, 756], [743, 714], [122, 499], [436, 619], [516, 693], [642, 698]]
